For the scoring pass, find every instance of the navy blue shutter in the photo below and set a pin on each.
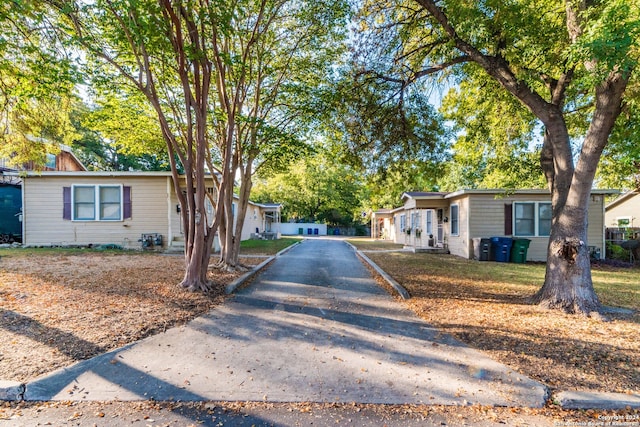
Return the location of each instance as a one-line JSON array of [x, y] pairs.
[[66, 201], [126, 203]]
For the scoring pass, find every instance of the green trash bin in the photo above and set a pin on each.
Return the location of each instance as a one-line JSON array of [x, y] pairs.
[[300, 230], [519, 250]]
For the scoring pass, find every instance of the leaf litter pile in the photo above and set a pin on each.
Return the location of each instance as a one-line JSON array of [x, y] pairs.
[[56, 309], [488, 310]]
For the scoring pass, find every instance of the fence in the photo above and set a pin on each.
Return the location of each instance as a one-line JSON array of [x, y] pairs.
[[623, 243], [619, 234]]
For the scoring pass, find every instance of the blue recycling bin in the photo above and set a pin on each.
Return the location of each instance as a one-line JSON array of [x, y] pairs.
[[315, 231], [309, 231], [501, 248]]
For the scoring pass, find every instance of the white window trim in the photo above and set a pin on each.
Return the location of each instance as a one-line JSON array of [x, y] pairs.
[[536, 218], [429, 223], [451, 219], [96, 202]]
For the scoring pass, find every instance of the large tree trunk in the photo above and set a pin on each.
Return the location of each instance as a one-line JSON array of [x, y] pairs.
[[231, 229], [197, 263], [568, 284]]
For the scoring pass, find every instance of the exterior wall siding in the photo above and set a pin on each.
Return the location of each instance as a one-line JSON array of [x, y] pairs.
[[400, 236], [595, 232], [174, 216], [486, 220], [630, 207], [458, 245], [44, 224], [252, 221]]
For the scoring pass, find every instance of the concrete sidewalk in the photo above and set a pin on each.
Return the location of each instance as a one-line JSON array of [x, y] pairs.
[[313, 327]]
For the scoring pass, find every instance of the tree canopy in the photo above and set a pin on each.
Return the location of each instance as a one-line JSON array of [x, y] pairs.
[[37, 76], [315, 188]]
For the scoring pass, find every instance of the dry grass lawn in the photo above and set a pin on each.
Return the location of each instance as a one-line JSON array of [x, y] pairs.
[[58, 307], [484, 304]]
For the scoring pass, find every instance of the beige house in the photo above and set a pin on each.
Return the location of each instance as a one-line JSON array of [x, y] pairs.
[[624, 211], [451, 221], [129, 209]]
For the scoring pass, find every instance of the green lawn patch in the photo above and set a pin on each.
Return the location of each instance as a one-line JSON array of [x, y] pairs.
[[266, 247], [368, 244]]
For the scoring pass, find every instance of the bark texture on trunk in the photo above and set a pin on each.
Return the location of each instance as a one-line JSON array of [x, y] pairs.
[[568, 285]]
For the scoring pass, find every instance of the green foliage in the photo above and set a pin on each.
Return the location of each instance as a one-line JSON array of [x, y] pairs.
[[620, 164], [394, 137], [314, 189], [610, 41], [385, 188], [127, 122], [120, 132], [98, 144], [617, 252], [292, 62], [35, 128], [36, 82], [497, 138], [494, 146]]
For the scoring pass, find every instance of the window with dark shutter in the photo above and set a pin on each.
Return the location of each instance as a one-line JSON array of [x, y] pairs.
[[102, 199], [126, 202], [508, 219], [66, 201]]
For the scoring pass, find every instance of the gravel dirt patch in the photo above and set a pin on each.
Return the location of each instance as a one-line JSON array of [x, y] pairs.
[[57, 309]]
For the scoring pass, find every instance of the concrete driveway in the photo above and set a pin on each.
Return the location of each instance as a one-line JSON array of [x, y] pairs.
[[313, 326]]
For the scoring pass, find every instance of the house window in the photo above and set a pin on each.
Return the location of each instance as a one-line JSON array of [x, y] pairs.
[[455, 212], [623, 221], [544, 219], [418, 220], [525, 219], [97, 202], [403, 221], [110, 203], [51, 161], [84, 203], [429, 222], [532, 219]]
